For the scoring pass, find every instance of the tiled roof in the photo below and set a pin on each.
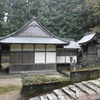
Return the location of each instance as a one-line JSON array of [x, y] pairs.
[[72, 45], [32, 40], [86, 38], [33, 32]]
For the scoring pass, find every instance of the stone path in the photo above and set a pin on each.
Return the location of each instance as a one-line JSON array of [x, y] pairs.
[[87, 90]]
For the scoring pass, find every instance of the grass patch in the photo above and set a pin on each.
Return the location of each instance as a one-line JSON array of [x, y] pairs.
[[5, 89], [40, 79]]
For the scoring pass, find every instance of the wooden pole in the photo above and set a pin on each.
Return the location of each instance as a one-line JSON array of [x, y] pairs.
[[0, 57], [0, 60]]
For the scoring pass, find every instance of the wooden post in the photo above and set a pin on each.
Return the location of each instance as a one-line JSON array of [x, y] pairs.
[[0, 60], [71, 62]]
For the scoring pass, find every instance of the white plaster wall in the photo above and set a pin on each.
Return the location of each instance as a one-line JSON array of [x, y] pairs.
[[60, 59], [39, 47], [68, 59], [75, 58], [99, 53], [50, 48], [50, 57], [28, 47], [16, 47], [39, 57]]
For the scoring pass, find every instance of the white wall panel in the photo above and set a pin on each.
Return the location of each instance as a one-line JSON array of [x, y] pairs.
[[98, 53], [60, 59], [68, 59], [39, 47], [16, 47], [50, 57], [75, 58], [50, 48], [39, 57], [28, 47]]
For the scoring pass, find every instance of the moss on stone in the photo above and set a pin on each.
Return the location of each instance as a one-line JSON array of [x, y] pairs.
[[87, 69], [41, 79]]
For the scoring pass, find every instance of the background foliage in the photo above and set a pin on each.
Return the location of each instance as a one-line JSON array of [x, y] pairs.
[[64, 18]]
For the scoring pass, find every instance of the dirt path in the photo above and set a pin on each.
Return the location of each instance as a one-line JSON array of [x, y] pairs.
[[12, 95], [10, 81]]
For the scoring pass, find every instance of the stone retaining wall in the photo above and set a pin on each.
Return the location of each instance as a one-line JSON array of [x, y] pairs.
[[77, 76], [37, 89]]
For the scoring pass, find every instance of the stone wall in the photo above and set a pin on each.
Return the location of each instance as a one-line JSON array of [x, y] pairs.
[[77, 76], [38, 89]]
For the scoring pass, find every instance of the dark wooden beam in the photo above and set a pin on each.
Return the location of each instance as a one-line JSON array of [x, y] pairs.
[[0, 59]]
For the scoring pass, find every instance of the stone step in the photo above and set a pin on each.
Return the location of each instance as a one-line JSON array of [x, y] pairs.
[[85, 89], [51, 97], [61, 95], [95, 82], [77, 91], [69, 92], [35, 98], [43, 97], [92, 86], [98, 79]]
